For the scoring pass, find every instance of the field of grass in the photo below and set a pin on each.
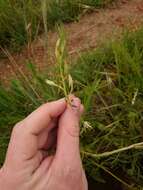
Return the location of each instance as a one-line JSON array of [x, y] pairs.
[[109, 82], [21, 21]]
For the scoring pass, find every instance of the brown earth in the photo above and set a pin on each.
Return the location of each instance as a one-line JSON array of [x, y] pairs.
[[87, 33]]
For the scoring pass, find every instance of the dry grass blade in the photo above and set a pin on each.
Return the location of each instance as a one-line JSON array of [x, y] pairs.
[[106, 154]]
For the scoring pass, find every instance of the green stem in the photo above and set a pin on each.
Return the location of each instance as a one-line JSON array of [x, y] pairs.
[[105, 154], [64, 85]]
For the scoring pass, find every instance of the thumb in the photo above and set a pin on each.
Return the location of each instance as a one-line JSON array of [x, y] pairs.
[[68, 132]]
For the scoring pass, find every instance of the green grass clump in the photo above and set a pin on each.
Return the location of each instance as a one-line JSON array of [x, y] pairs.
[[109, 82], [21, 21], [18, 21]]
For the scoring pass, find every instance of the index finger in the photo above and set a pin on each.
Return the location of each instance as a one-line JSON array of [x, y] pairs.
[[40, 118]]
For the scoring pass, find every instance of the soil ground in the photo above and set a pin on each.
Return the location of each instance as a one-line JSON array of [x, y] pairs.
[[91, 29]]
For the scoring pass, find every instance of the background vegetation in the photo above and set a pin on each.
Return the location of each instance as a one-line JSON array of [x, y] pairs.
[[108, 80], [21, 21]]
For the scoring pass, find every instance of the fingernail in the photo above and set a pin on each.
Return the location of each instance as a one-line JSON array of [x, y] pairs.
[[75, 103]]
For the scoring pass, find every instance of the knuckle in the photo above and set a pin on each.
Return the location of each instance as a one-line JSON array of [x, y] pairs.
[[73, 130], [17, 127]]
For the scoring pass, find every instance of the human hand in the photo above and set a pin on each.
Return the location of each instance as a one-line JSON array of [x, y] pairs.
[[28, 165]]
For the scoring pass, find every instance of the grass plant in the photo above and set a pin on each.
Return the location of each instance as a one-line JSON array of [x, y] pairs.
[[109, 82]]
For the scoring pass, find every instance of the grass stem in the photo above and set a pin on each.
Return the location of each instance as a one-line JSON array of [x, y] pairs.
[[106, 154]]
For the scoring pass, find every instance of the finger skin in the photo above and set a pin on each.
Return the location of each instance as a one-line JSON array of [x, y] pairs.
[[68, 132], [40, 118]]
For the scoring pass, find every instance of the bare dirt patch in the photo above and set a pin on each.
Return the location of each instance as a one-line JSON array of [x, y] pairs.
[[91, 29]]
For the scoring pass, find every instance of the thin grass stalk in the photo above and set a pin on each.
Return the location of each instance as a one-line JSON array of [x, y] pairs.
[[106, 154], [113, 175], [44, 4], [14, 64]]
